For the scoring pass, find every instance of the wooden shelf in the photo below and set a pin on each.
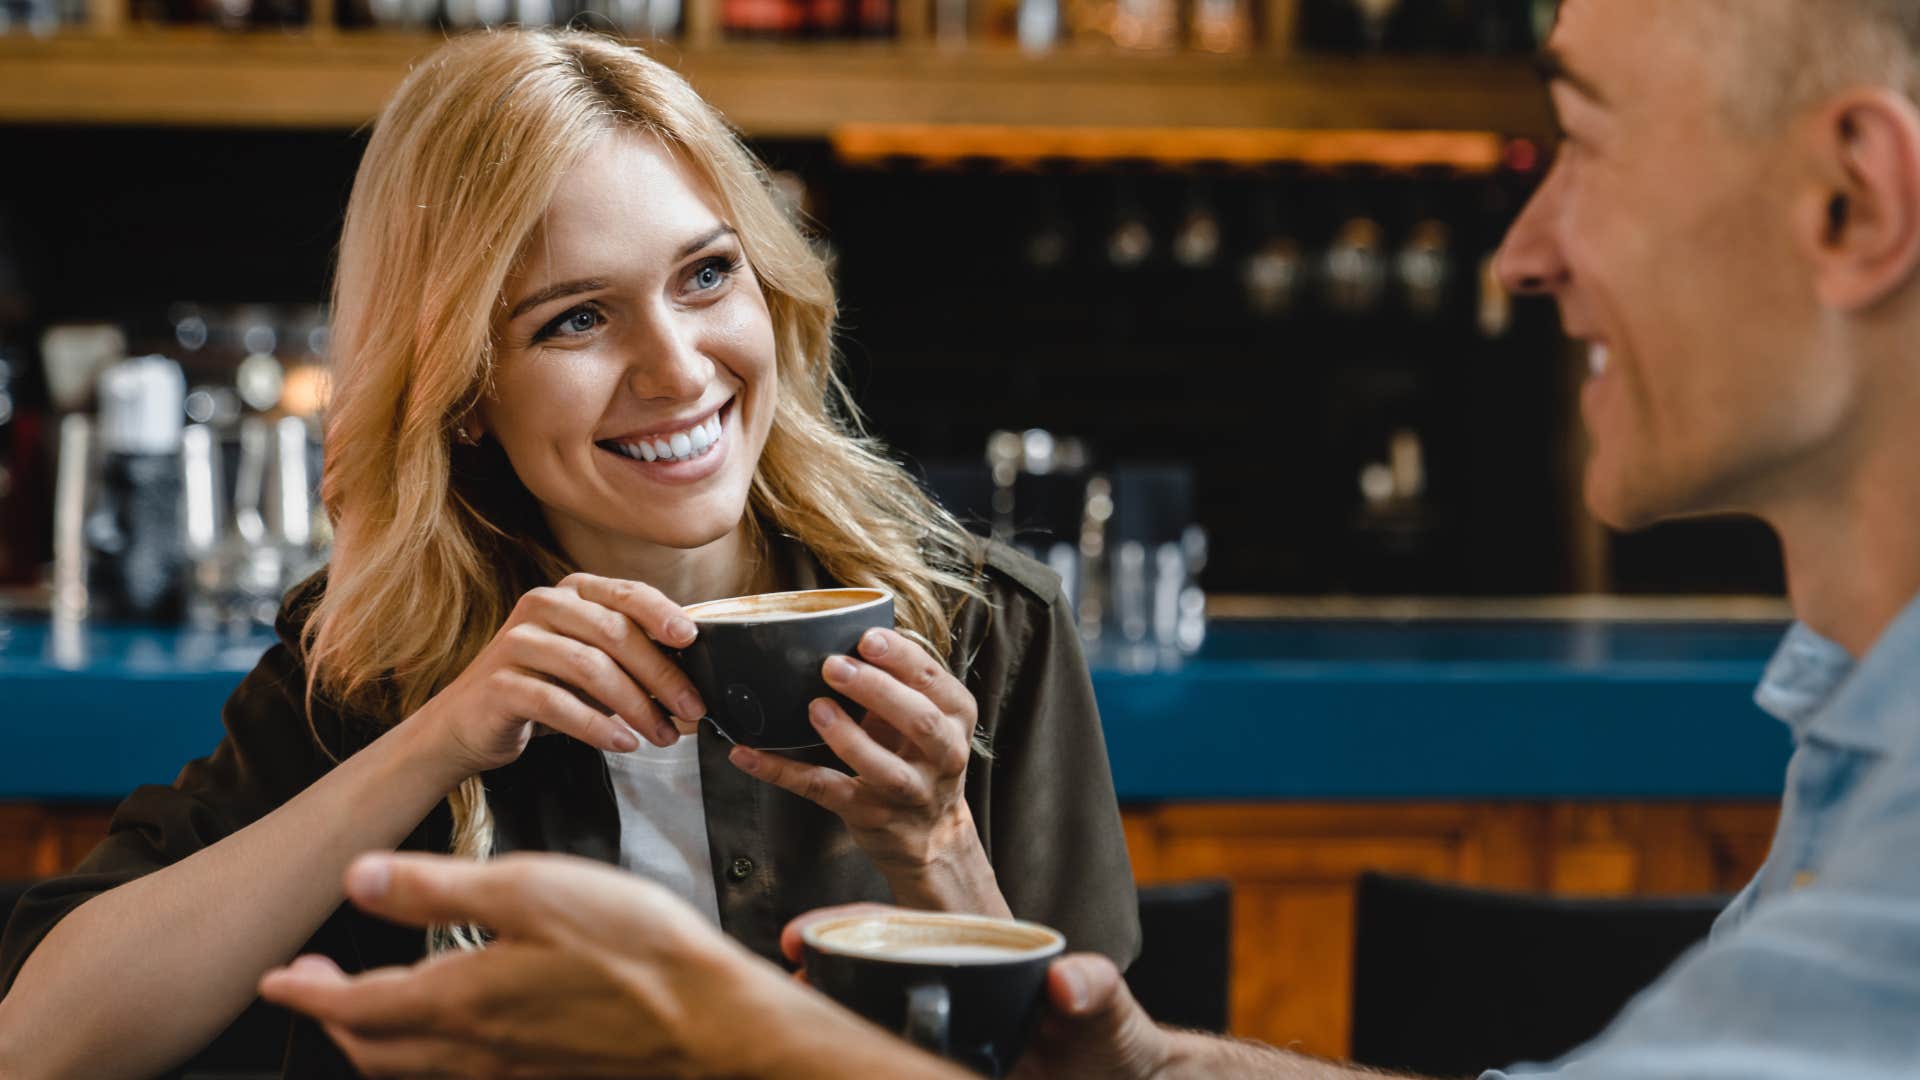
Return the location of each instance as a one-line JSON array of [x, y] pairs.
[[339, 80]]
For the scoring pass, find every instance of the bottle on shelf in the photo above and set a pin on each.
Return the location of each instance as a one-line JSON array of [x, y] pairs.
[[771, 20], [1222, 26]]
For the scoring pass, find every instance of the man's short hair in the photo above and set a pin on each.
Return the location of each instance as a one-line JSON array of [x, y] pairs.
[[1791, 53]]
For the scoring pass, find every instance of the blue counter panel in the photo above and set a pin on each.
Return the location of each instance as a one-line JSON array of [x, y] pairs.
[[1449, 710], [1283, 710]]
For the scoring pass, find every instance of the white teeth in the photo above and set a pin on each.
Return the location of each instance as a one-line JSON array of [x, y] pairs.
[[1597, 357], [694, 442]]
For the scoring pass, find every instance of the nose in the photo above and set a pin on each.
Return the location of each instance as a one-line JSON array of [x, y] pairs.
[[665, 358], [1529, 260]]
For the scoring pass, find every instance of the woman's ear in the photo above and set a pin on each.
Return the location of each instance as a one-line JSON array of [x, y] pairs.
[[1859, 219], [469, 429]]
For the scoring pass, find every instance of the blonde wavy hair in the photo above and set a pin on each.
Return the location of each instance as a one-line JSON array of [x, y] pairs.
[[434, 541]]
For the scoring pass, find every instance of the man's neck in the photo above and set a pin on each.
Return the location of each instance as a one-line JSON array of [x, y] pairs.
[[1852, 547]]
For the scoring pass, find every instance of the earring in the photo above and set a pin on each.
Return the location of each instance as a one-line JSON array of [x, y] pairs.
[[462, 436]]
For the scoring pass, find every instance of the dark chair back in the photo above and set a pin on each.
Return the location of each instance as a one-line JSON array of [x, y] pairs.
[[1181, 975], [1448, 981]]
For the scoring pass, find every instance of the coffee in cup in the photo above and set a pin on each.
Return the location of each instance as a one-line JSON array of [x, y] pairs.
[[757, 659], [967, 987]]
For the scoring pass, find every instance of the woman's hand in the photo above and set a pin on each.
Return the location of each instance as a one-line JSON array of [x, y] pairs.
[[905, 805], [582, 658]]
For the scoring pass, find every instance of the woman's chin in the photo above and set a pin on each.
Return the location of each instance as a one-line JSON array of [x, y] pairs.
[[691, 528]]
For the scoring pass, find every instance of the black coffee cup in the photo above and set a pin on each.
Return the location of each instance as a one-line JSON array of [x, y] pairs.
[[966, 987], [757, 659]]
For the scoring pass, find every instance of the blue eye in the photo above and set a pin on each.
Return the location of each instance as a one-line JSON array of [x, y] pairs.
[[712, 274], [571, 323]]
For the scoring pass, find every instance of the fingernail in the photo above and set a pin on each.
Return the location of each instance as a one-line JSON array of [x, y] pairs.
[[839, 669], [821, 713], [874, 643], [667, 733], [306, 962], [1076, 988], [624, 740], [691, 707], [368, 877], [745, 760], [681, 630]]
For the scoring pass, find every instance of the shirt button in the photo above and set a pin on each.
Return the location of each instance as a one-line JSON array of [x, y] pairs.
[[1804, 878], [741, 868]]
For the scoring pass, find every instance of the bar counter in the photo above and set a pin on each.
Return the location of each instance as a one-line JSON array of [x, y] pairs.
[[1270, 710]]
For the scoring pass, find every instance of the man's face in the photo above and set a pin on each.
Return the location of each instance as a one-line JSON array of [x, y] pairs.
[[1663, 232]]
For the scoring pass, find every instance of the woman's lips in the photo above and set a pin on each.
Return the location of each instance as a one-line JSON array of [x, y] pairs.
[[685, 444], [681, 457]]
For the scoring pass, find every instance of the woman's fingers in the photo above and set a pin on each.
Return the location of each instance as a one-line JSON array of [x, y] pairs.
[[581, 667], [937, 735], [661, 618], [904, 659], [532, 697], [882, 771], [828, 788], [627, 648], [592, 619]]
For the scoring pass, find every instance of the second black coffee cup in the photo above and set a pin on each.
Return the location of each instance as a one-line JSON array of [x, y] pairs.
[[966, 987], [757, 659]]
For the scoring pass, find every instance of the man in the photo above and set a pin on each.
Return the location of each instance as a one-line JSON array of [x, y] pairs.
[[1733, 227]]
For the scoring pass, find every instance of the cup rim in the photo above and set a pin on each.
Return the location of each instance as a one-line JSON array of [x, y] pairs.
[[1055, 944], [875, 597]]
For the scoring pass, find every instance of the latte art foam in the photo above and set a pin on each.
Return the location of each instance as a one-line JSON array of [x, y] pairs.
[[772, 607]]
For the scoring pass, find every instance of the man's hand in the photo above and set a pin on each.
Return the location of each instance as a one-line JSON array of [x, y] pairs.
[[1094, 1027], [595, 973]]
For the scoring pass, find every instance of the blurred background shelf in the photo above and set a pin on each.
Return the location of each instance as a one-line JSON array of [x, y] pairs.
[[338, 79]]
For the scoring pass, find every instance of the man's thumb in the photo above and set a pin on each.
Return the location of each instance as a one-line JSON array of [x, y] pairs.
[[1084, 985]]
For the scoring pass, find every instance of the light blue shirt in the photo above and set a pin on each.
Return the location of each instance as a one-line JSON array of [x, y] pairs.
[[1813, 972]]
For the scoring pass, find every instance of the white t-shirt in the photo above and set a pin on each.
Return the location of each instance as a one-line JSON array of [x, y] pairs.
[[663, 822]]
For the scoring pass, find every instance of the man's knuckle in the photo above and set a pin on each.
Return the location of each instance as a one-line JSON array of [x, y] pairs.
[[957, 755]]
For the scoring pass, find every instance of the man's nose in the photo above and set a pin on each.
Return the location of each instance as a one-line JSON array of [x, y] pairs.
[[1529, 259]]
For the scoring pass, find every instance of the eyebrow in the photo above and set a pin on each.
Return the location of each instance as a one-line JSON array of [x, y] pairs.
[[584, 285], [1553, 68], [555, 292]]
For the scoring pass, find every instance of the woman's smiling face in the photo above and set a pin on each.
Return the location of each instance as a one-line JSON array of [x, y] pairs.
[[635, 378]]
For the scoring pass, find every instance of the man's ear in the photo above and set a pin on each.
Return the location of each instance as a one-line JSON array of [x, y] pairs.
[[1859, 218]]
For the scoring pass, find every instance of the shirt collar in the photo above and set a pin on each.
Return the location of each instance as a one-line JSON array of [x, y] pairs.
[[1818, 690]]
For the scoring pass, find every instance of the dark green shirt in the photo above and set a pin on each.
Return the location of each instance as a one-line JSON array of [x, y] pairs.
[[1043, 801]]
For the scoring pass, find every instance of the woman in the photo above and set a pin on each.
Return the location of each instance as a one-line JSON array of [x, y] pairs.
[[584, 377]]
